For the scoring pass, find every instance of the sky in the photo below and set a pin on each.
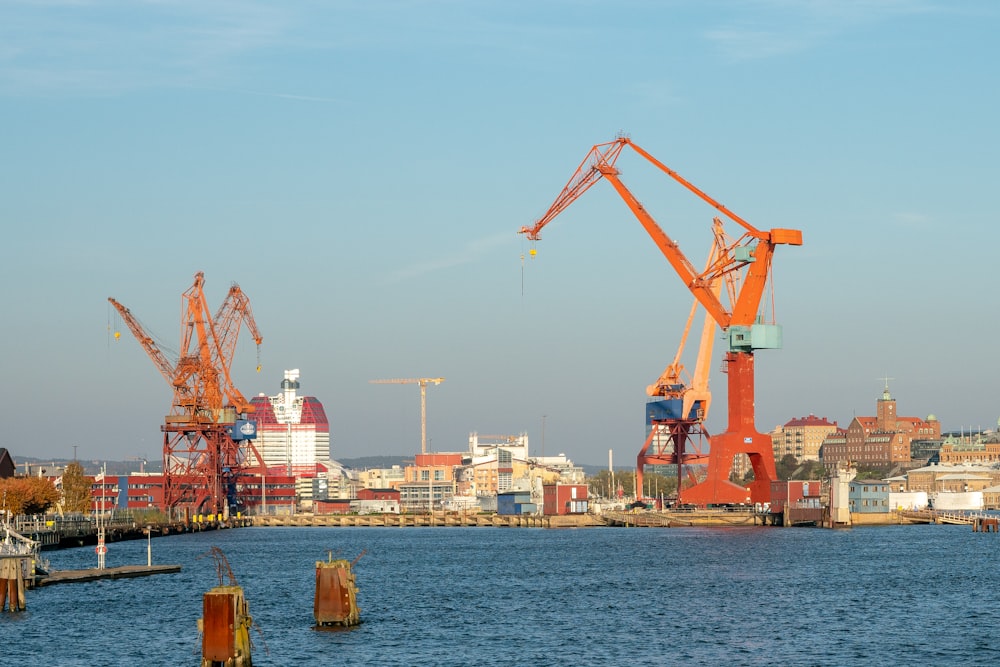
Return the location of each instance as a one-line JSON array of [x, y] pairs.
[[361, 170]]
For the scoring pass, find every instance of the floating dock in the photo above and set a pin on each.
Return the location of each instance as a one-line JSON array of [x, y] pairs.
[[95, 574]]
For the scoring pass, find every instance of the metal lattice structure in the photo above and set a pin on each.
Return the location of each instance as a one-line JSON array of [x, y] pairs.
[[207, 437]]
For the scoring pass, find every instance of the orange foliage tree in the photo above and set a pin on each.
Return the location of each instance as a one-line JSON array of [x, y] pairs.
[[27, 495]]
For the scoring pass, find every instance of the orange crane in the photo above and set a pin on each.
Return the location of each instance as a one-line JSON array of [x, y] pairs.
[[676, 418], [423, 382], [207, 437], [749, 256]]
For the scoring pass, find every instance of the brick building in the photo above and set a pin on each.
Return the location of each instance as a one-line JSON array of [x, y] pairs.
[[879, 441]]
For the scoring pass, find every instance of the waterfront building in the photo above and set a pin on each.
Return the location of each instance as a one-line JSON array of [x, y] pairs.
[[801, 437], [974, 449], [493, 464], [274, 494], [418, 496], [481, 446], [991, 498], [879, 441], [907, 500], [868, 496], [292, 431], [954, 486], [564, 469], [382, 478], [516, 501], [560, 499], [952, 478], [925, 451]]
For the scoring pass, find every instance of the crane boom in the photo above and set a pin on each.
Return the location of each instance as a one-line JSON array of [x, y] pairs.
[[754, 248], [234, 311], [160, 360]]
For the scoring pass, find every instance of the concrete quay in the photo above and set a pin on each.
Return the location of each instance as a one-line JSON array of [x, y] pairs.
[[437, 520]]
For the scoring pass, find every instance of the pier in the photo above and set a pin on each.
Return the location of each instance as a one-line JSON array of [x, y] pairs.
[[430, 520], [57, 532], [687, 518], [95, 574]]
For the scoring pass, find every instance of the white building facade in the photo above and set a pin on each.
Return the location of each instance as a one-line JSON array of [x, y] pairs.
[[293, 432]]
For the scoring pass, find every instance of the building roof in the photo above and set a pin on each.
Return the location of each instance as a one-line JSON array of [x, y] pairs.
[[949, 468], [811, 420], [963, 475]]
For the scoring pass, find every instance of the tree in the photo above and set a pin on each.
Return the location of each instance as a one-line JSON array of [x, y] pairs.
[[787, 466], [28, 495], [75, 489]]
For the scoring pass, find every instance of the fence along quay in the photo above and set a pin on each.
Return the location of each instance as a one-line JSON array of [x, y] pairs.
[[77, 530], [428, 520]]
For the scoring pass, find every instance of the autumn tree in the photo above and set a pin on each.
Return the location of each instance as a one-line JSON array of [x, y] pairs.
[[75, 489], [28, 495]]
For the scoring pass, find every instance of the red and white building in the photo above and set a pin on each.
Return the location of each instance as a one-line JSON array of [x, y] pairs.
[[292, 430]]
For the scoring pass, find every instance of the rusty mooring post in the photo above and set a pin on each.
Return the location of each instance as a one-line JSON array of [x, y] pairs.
[[225, 626], [225, 622], [336, 602], [12, 583]]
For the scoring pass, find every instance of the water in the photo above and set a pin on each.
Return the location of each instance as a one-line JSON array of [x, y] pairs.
[[894, 595]]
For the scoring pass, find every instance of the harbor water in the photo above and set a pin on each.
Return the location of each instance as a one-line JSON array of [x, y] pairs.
[[890, 595]]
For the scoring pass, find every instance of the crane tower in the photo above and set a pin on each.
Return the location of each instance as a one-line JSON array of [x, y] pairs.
[[423, 382], [208, 435]]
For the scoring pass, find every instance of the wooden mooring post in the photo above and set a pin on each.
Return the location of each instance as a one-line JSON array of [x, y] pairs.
[[12, 583], [986, 524]]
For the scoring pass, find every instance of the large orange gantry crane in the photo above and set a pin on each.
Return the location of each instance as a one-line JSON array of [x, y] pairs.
[[749, 257], [207, 437]]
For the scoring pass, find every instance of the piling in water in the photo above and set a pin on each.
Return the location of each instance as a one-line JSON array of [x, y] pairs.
[[225, 621], [225, 626], [335, 602], [12, 583]]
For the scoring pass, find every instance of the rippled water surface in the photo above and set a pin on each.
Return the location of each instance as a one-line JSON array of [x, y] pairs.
[[900, 595]]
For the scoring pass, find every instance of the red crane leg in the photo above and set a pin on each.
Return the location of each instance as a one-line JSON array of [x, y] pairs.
[[741, 437]]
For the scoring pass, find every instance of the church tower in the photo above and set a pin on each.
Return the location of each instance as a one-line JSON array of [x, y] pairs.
[[885, 415]]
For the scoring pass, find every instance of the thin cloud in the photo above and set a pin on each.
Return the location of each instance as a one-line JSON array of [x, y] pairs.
[[262, 93], [911, 219], [774, 28], [469, 253], [102, 47]]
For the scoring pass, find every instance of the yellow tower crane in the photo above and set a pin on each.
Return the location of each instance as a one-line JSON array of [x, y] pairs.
[[423, 382]]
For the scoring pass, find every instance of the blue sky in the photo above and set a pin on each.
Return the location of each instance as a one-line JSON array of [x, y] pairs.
[[361, 170]]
